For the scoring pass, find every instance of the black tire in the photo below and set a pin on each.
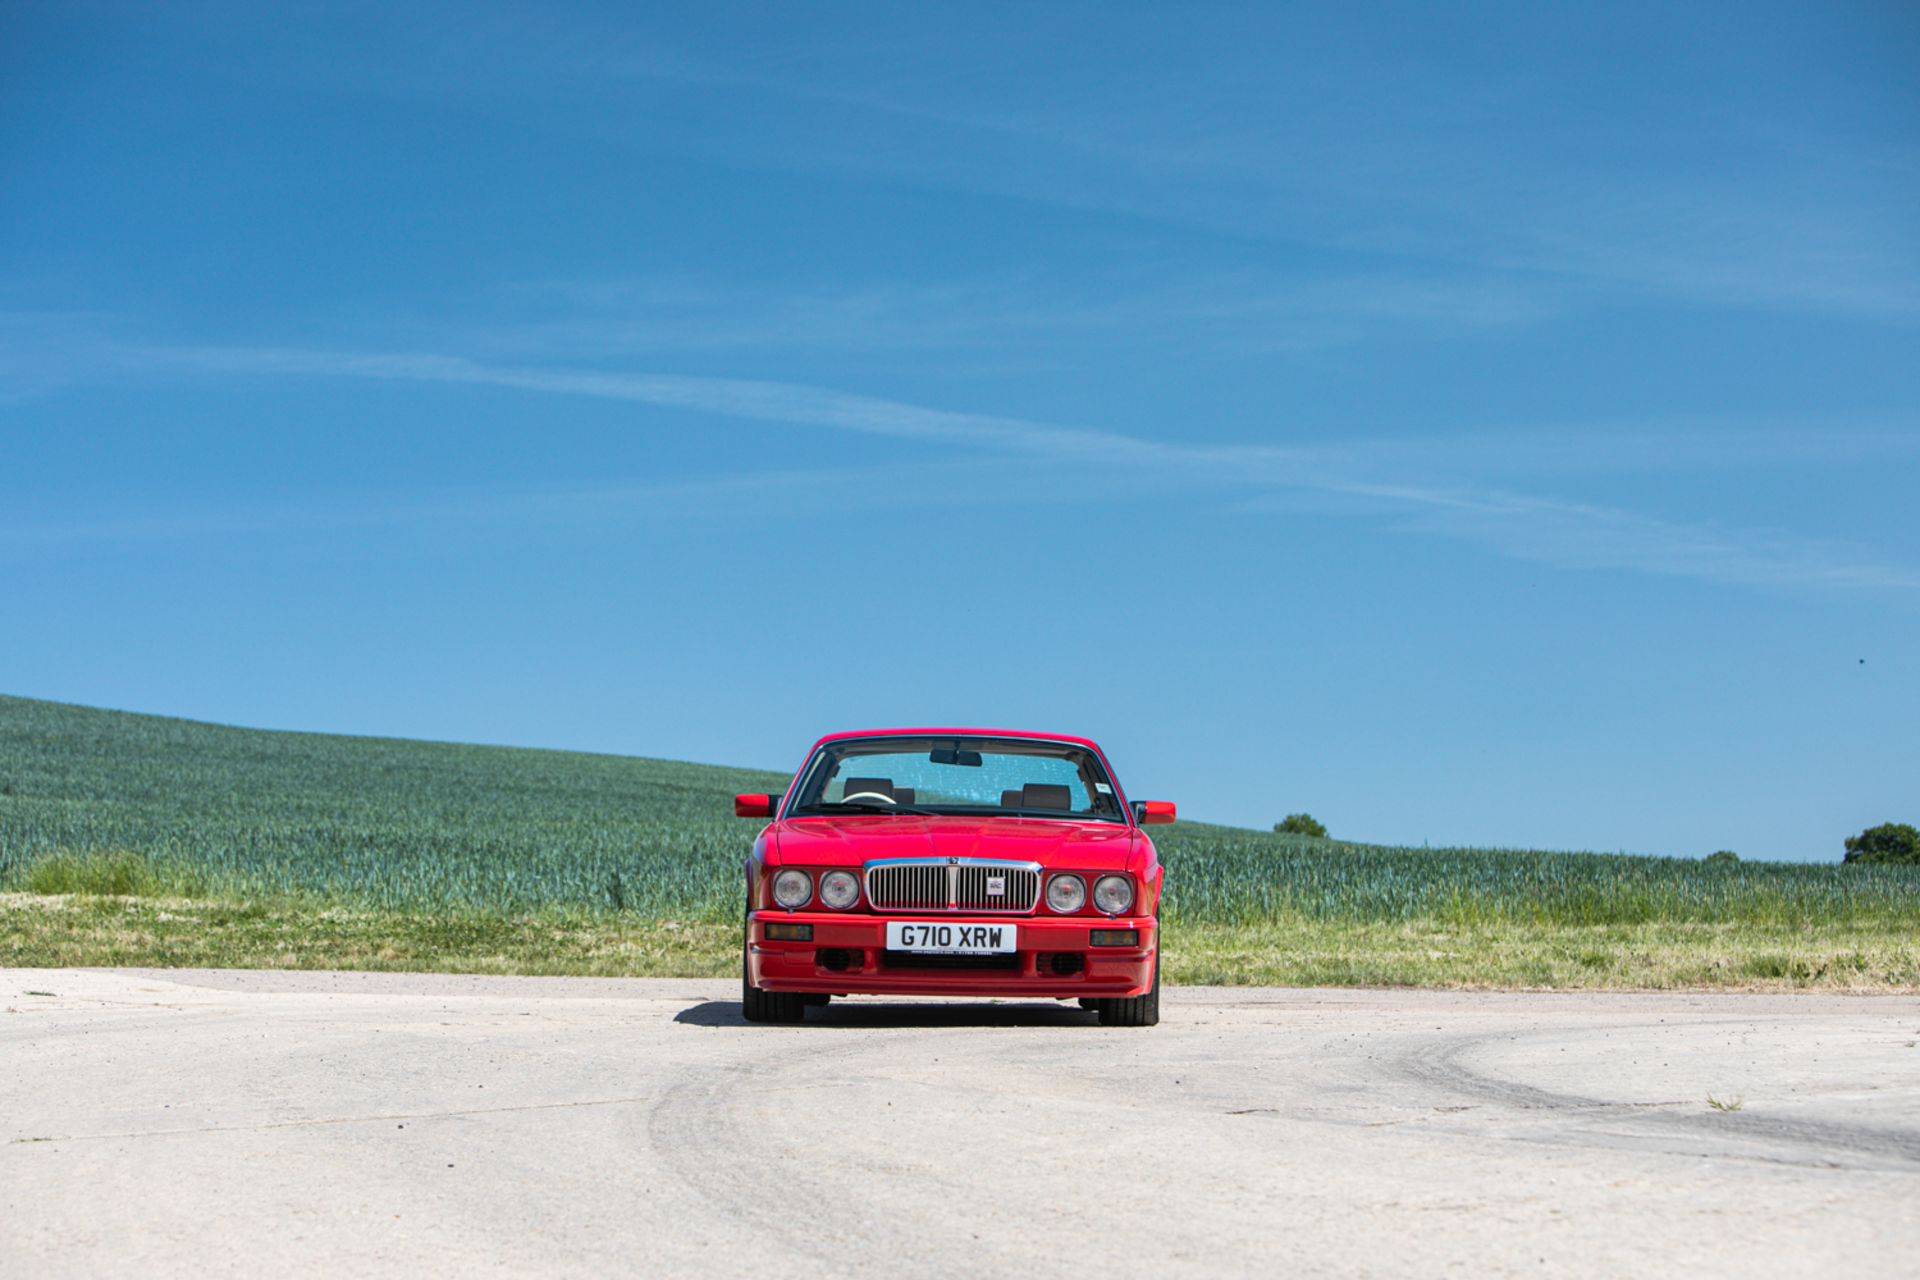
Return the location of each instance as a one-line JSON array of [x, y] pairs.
[[1135, 1011], [767, 1006]]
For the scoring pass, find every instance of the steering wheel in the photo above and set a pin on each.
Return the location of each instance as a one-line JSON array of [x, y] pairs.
[[868, 795]]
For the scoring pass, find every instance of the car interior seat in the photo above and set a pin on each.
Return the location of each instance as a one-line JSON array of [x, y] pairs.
[[1046, 795]]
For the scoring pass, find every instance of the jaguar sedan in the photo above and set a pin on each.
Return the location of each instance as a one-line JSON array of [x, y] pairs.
[[953, 862]]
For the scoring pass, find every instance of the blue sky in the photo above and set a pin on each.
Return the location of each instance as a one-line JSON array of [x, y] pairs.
[[1497, 425]]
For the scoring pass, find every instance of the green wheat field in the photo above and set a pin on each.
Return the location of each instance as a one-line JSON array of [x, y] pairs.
[[139, 840]]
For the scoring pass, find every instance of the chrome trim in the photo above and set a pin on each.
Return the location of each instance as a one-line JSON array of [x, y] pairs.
[[951, 884]]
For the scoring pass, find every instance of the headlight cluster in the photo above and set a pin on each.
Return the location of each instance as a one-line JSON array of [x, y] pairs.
[[793, 889], [1067, 894], [1113, 894], [840, 889]]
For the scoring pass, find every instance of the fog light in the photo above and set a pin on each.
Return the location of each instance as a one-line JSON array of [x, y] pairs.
[[789, 932], [1114, 938]]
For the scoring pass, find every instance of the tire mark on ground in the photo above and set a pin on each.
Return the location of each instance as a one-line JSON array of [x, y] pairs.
[[1821, 1143], [794, 1182]]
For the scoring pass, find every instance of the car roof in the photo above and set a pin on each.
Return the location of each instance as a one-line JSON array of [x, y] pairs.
[[943, 731]]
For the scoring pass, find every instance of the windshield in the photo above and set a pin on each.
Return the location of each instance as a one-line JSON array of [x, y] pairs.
[[1010, 777]]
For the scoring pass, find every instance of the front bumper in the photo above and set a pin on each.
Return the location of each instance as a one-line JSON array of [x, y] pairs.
[[847, 956]]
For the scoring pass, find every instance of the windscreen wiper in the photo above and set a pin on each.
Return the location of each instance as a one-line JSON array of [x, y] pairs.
[[1056, 815], [869, 806]]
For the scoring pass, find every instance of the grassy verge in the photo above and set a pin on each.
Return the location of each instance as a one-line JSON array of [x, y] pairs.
[[102, 929], [1654, 955], [65, 931]]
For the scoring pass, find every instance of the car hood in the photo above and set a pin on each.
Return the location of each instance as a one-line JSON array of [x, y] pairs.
[[853, 839]]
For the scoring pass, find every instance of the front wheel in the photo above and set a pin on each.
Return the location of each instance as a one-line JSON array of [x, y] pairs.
[[767, 1006], [1135, 1011]]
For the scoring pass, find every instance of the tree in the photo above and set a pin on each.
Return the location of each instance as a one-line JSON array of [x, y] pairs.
[[1890, 842], [1723, 855], [1301, 824]]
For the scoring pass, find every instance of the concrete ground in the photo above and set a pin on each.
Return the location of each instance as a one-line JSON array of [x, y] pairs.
[[183, 1123]]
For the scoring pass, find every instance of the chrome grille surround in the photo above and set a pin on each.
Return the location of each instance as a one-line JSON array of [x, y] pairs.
[[952, 884]]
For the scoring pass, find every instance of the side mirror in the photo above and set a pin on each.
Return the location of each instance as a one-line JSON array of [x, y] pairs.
[[754, 806], [1153, 813]]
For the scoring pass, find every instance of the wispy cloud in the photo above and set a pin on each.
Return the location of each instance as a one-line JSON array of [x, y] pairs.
[[1246, 310], [44, 350], [773, 493], [1500, 193], [1589, 536], [1723, 212], [1562, 161], [766, 401], [1383, 476]]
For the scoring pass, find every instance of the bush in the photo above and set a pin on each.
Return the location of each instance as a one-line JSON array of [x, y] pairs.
[[1301, 824], [1890, 842], [1723, 855], [115, 874], [111, 873]]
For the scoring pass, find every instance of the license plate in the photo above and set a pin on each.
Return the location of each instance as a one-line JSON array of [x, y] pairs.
[[951, 939]]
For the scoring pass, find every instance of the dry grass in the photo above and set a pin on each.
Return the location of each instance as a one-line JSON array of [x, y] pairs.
[[1651, 956], [69, 930]]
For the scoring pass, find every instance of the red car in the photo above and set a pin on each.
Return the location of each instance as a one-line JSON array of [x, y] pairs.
[[953, 862]]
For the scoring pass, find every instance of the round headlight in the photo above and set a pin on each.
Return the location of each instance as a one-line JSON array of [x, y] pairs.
[[792, 889], [1113, 894], [1066, 894], [839, 889]]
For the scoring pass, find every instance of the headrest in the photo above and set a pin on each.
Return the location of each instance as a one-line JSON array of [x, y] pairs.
[[1045, 795], [1010, 799], [903, 795], [880, 786]]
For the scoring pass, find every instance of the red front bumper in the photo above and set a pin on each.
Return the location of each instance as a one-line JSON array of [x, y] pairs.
[[847, 955]]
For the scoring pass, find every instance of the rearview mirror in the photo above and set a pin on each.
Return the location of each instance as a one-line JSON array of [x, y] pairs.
[[753, 806], [952, 755], [1153, 813]]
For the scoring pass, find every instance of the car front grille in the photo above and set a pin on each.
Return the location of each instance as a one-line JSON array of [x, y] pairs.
[[953, 884]]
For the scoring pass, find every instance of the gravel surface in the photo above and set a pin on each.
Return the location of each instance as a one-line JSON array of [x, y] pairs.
[[187, 1123]]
